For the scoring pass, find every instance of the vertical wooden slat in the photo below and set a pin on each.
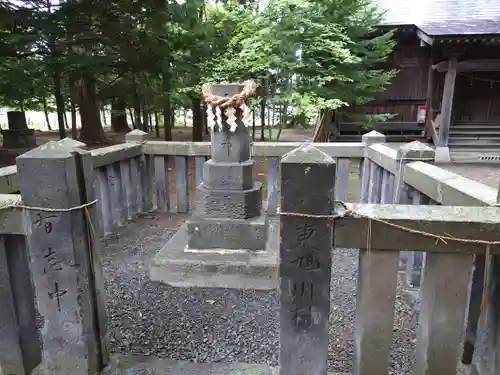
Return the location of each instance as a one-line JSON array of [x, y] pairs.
[[375, 296], [443, 299], [146, 168], [127, 187], [360, 179], [199, 162], [342, 183], [161, 183], [385, 193], [137, 188], [182, 184], [374, 190], [102, 192], [415, 259], [117, 196], [272, 185], [365, 180]]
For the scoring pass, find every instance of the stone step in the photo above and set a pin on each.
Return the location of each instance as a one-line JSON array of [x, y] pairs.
[[495, 133], [475, 128], [175, 265]]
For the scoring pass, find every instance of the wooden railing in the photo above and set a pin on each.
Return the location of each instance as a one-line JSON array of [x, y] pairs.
[[142, 176]]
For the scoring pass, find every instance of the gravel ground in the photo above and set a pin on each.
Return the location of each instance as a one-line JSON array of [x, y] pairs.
[[220, 325]]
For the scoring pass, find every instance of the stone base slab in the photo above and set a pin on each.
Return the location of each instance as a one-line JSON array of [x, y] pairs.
[[237, 269], [230, 204], [227, 233]]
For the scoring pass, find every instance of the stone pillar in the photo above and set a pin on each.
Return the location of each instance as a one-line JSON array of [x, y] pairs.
[[368, 139], [20, 349], [228, 211], [413, 151], [63, 258], [305, 261], [18, 135]]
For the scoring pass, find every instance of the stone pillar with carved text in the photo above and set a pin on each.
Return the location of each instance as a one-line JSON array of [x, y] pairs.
[[64, 254], [229, 202]]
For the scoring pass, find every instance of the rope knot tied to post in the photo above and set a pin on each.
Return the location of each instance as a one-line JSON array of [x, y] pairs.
[[345, 210]]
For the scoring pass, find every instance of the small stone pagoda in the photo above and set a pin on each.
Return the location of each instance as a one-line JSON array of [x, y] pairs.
[[229, 241]]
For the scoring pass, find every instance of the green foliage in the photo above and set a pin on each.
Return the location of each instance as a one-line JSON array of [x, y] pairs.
[[306, 55]]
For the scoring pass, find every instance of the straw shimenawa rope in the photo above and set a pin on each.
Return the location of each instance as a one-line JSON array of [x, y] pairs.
[[350, 212], [236, 100]]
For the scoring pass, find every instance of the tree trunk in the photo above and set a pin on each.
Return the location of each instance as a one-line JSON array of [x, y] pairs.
[[262, 119], [73, 99], [92, 132], [103, 111], [137, 112], [197, 119], [205, 119], [157, 125], [185, 117], [59, 104], [253, 123], [66, 121], [119, 116], [167, 108], [145, 118], [46, 112], [132, 118]]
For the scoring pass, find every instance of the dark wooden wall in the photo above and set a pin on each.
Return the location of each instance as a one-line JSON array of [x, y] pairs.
[[408, 89], [477, 96]]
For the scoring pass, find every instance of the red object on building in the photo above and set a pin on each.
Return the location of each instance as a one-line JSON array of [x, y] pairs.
[[421, 113]]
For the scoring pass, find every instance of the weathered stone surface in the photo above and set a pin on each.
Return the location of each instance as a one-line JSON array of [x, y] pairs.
[[443, 299], [372, 137], [22, 138], [250, 234], [305, 261], [235, 204], [51, 176], [223, 268], [487, 345], [71, 143], [231, 147], [136, 135], [228, 176], [375, 295], [20, 349], [415, 151]]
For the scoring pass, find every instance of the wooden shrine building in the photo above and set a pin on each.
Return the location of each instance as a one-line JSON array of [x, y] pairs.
[[448, 86]]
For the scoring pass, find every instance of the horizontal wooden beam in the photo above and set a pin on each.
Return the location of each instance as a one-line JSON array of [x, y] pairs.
[[472, 223], [486, 65]]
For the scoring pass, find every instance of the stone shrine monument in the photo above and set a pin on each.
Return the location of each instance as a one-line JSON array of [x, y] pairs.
[[228, 241], [18, 135]]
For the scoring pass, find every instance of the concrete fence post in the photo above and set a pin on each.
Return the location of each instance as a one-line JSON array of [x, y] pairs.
[[482, 335], [368, 139], [305, 260], [413, 151], [63, 252], [20, 350]]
